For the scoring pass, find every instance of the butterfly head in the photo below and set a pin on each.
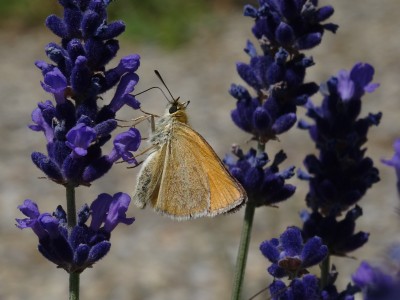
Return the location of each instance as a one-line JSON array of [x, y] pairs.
[[177, 110]]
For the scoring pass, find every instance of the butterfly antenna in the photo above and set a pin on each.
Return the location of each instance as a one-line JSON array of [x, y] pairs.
[[154, 87], [163, 82]]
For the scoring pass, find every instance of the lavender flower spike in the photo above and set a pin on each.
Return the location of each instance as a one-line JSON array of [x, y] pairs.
[[283, 29], [80, 247], [77, 127]]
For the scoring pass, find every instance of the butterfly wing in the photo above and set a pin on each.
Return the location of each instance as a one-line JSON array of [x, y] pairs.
[[226, 192], [149, 178], [184, 191], [195, 182]]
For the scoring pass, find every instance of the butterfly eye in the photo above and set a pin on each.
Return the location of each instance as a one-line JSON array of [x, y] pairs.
[[173, 108]]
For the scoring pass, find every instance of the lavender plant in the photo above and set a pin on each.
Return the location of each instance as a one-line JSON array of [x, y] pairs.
[[76, 128], [283, 29], [338, 177]]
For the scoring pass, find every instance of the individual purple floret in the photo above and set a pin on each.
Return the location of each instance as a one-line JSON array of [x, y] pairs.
[[78, 125], [75, 249], [264, 185], [375, 284], [277, 74], [395, 161], [290, 256]]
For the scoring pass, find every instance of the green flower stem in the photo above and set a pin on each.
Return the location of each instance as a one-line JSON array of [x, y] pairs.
[[71, 219], [244, 241], [74, 286], [325, 266], [71, 207], [243, 250]]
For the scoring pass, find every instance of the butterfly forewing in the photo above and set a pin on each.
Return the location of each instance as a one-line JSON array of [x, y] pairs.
[[225, 192]]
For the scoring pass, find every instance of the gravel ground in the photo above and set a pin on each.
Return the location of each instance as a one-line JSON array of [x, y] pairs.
[[157, 258]]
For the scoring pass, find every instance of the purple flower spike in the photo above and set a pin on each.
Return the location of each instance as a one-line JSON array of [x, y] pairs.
[[264, 185], [124, 144], [56, 84], [78, 125], [341, 172], [290, 257], [77, 248], [283, 28], [79, 139]]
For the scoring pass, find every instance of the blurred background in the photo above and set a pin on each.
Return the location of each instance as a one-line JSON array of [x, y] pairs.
[[195, 45]]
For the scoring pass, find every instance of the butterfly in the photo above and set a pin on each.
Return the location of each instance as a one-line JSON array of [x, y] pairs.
[[183, 177]]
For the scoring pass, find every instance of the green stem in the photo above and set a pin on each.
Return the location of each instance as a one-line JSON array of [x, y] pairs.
[[71, 219], [244, 241], [71, 207], [243, 250], [74, 286], [325, 267]]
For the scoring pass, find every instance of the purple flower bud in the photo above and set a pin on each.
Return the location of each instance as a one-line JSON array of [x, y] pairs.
[[98, 251], [81, 76], [97, 169], [90, 22], [284, 34], [309, 41], [57, 26], [250, 11], [261, 119], [247, 74], [47, 166], [284, 123], [110, 31], [324, 13], [75, 49]]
